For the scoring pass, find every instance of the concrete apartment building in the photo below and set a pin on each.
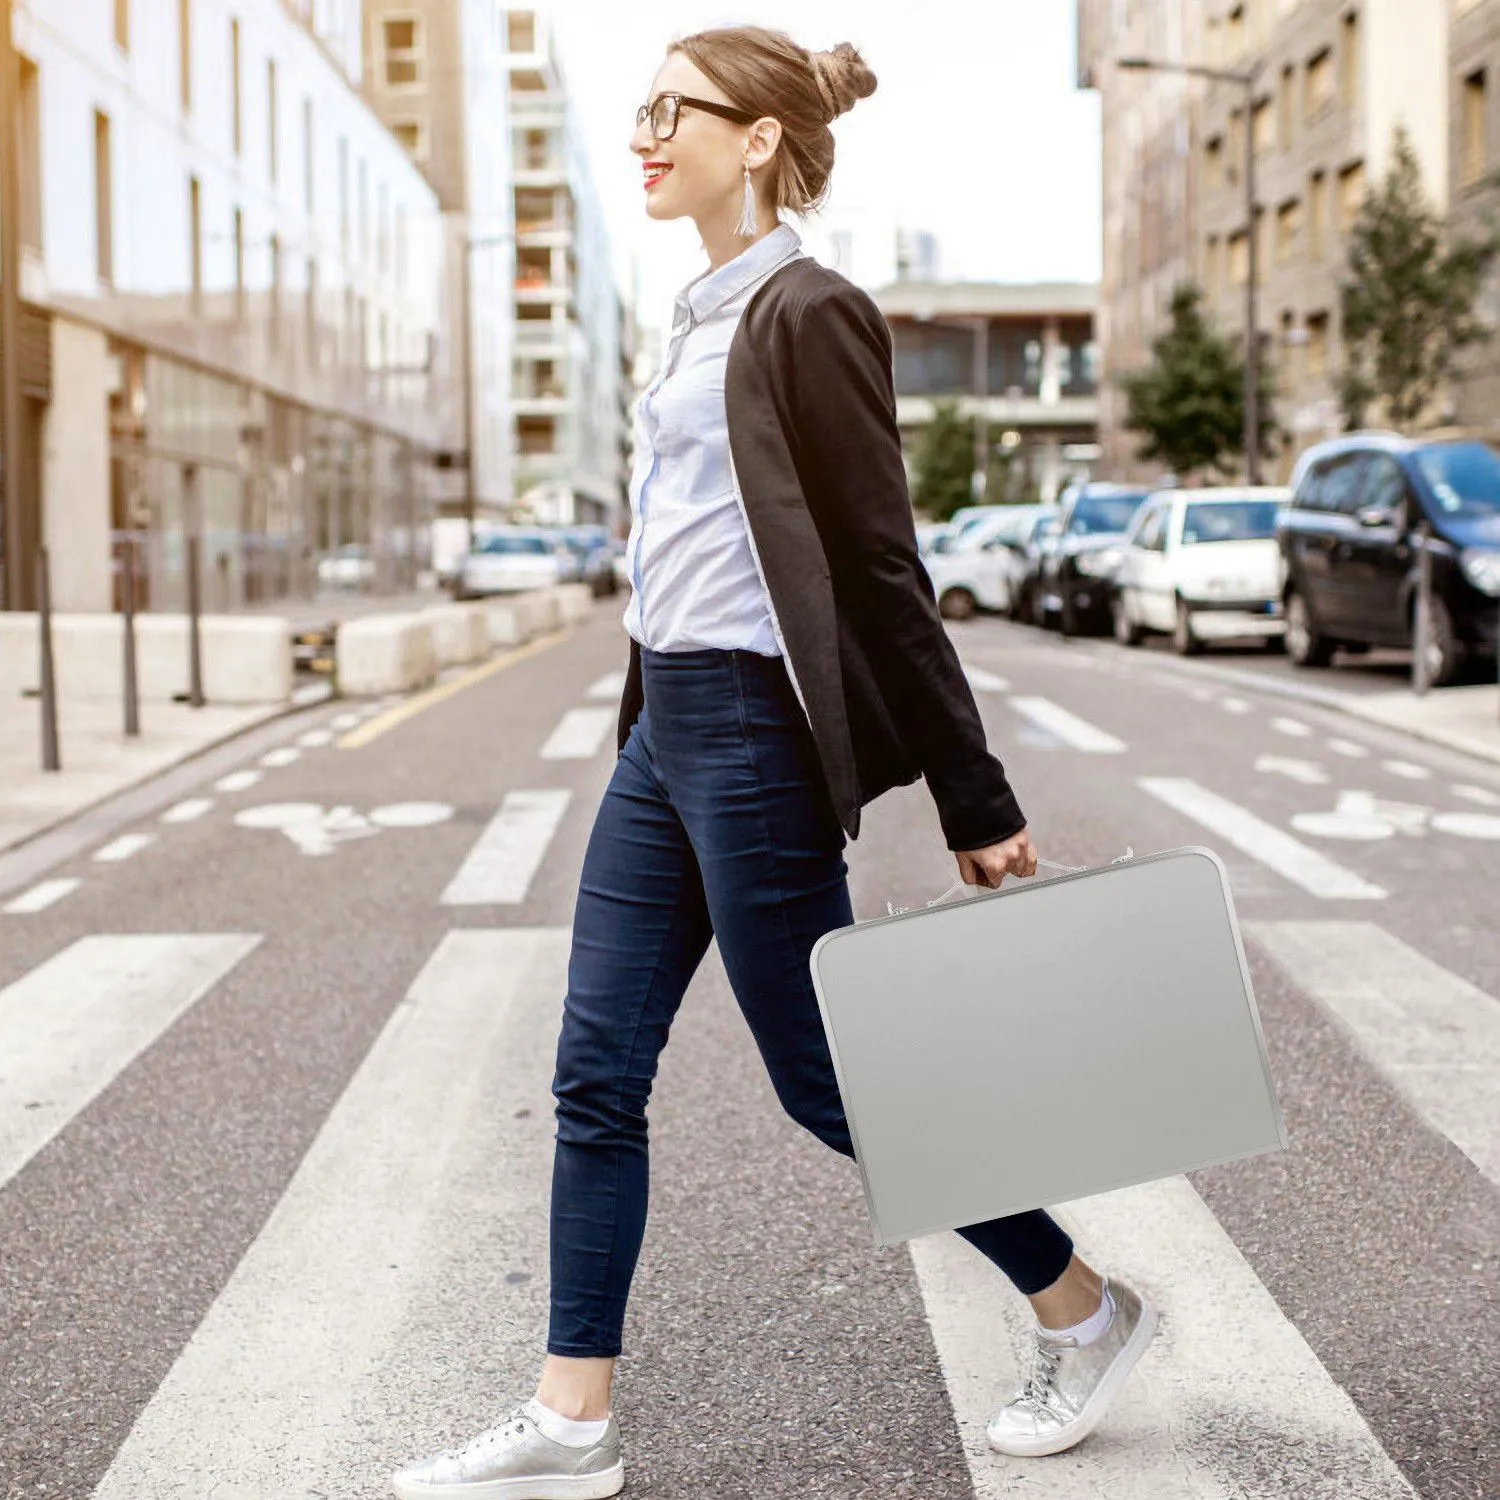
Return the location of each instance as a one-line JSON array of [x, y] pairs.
[[231, 286], [570, 399], [1020, 359]]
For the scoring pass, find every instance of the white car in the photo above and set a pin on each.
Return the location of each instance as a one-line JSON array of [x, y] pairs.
[[1201, 566], [506, 560], [979, 568]]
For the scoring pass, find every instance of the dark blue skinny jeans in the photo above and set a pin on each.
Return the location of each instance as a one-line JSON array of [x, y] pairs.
[[716, 823]]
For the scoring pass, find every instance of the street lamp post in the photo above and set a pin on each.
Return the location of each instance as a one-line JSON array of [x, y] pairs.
[[1244, 79]]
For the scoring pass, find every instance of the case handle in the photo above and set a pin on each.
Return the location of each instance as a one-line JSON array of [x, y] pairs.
[[893, 910]]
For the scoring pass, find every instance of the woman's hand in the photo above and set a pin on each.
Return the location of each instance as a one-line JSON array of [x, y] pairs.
[[989, 866]]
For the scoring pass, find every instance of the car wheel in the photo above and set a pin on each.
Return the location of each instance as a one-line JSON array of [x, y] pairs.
[[1184, 642], [956, 604], [1127, 632], [1304, 644], [1445, 653]]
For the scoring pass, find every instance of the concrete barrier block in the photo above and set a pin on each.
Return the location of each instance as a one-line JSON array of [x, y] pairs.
[[574, 601], [246, 658], [537, 611], [385, 654], [506, 627], [459, 633]]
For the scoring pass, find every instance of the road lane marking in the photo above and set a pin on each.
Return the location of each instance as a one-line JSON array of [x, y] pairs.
[[283, 756], [499, 868], [1315, 873], [237, 781], [580, 734], [1209, 1370], [1482, 795], [1074, 732], [611, 685], [1308, 772], [382, 723], [1467, 825], [1407, 769], [315, 738], [344, 721], [985, 682], [1433, 1035], [42, 895], [296, 1363], [74, 1023], [1293, 727], [1234, 705], [1351, 749], [124, 847], [188, 811]]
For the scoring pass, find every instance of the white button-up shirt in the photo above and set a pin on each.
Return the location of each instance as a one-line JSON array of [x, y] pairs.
[[694, 578]]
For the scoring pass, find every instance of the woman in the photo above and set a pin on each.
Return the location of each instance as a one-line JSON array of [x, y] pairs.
[[787, 665]]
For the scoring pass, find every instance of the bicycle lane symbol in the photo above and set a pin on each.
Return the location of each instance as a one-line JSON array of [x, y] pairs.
[[1362, 816], [317, 830]]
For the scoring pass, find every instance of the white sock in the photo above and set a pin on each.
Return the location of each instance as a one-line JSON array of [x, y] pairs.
[[563, 1429], [1091, 1328]]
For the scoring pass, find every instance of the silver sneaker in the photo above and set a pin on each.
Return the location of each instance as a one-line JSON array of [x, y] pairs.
[[1068, 1390], [517, 1461]]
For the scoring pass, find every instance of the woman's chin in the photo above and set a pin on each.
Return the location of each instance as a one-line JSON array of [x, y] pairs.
[[658, 207]]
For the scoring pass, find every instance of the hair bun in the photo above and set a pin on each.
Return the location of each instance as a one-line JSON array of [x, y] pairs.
[[843, 78]]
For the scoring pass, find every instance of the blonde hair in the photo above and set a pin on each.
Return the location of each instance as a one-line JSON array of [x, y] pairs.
[[767, 73]]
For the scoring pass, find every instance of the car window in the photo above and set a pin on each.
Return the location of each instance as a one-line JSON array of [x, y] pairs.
[[1094, 514], [1464, 477], [1229, 521], [1309, 494], [514, 546], [1148, 533], [1384, 483], [1341, 484]]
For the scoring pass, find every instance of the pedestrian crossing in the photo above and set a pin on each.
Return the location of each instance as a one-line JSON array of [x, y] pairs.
[[398, 1285]]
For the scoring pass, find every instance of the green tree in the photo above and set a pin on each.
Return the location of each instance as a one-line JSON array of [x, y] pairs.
[[1189, 402], [1408, 301], [944, 461]]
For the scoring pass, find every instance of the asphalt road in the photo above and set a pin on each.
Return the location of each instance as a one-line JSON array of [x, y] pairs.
[[274, 1134]]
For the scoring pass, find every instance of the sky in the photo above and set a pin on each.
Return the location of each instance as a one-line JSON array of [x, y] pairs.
[[976, 133]]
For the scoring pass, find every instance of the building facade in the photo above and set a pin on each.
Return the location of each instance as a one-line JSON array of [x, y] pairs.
[[571, 427], [1022, 360], [232, 285], [435, 72]]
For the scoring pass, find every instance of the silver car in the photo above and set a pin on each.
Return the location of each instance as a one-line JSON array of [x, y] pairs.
[[507, 560]]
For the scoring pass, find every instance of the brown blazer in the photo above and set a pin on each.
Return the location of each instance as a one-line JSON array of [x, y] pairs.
[[817, 456]]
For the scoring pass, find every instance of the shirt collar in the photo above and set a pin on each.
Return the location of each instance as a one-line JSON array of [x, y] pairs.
[[714, 288]]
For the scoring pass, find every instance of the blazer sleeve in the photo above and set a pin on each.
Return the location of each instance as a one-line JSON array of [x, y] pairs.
[[843, 407]]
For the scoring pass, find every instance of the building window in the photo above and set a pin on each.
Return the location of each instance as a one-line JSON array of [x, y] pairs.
[[403, 44], [1213, 164], [1288, 350], [1287, 103], [1235, 151], [344, 194], [1213, 269], [195, 241], [310, 315], [236, 112], [520, 31], [1317, 214], [1351, 195], [1261, 121], [29, 139], [1288, 225], [309, 160], [273, 127], [122, 25], [1239, 259], [1316, 362], [185, 53], [1234, 29], [1317, 85], [104, 206], [411, 136], [1475, 131], [1263, 224], [1349, 61], [536, 436]]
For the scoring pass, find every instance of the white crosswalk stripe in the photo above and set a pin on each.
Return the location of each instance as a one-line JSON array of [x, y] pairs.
[[43, 894], [71, 1025], [312, 1348], [500, 867], [1434, 1035], [985, 682], [1314, 872], [611, 685], [1074, 732], [580, 733]]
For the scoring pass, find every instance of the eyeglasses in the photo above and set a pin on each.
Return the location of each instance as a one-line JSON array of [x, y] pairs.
[[664, 109]]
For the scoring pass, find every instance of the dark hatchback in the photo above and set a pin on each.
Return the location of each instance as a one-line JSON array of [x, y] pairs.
[[1350, 541], [1077, 574]]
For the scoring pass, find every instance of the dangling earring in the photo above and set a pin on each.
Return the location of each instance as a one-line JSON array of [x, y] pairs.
[[748, 227]]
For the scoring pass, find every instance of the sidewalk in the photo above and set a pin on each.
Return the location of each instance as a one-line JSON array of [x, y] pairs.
[[97, 760], [332, 606], [1463, 718]]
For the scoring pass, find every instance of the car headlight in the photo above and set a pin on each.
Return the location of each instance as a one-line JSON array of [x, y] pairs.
[[1482, 569], [1099, 564]]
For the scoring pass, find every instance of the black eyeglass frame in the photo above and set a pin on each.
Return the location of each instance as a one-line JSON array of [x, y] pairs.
[[708, 106]]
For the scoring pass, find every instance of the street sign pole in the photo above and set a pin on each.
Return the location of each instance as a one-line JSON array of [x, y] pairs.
[[51, 760], [127, 620], [195, 607]]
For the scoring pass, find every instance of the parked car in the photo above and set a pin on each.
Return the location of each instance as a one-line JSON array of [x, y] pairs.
[[1200, 566], [931, 535], [1035, 550], [594, 548], [1076, 580], [350, 567], [978, 570], [1351, 542], [507, 559]]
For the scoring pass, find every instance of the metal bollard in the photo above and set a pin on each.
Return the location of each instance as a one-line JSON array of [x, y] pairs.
[[195, 607], [51, 760], [1423, 633], [132, 688]]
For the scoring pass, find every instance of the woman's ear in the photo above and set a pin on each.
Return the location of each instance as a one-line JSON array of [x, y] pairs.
[[765, 137]]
